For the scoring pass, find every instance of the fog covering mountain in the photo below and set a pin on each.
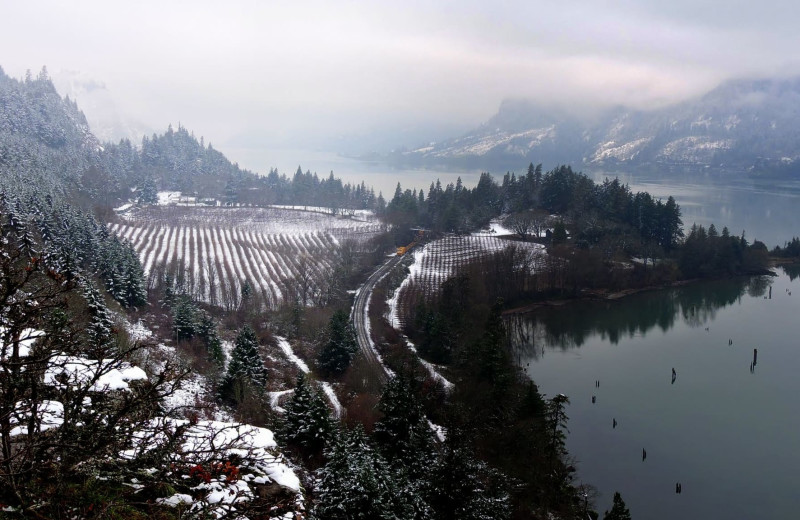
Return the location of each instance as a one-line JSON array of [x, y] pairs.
[[747, 126]]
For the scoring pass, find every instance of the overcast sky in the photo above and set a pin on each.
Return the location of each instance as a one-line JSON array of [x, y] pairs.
[[273, 74]]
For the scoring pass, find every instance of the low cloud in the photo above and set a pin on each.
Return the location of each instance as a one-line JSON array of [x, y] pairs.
[[318, 70]]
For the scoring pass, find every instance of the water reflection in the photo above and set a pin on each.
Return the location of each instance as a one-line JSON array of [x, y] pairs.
[[792, 271], [569, 326]]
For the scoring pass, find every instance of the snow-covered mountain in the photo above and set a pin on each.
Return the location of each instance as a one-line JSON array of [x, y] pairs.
[[744, 125]]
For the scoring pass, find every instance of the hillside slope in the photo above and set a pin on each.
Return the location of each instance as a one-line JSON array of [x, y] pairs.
[[743, 125]]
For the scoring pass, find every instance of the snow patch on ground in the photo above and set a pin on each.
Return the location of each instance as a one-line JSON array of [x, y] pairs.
[[495, 229], [274, 399], [186, 396], [138, 331], [26, 339], [367, 214], [440, 432], [337, 406], [64, 371], [168, 197], [227, 348], [207, 440], [413, 270], [430, 367], [50, 415], [289, 353], [175, 500]]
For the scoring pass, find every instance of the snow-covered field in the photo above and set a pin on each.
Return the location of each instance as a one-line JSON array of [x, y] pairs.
[[214, 250]]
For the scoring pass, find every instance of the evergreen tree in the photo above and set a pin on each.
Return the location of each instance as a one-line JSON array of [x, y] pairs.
[[340, 346], [100, 320], [618, 511], [307, 423], [559, 232], [185, 318], [134, 292], [207, 330], [464, 488], [357, 483], [246, 371], [403, 433], [148, 193]]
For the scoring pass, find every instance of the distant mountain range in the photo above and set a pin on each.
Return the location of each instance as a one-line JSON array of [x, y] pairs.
[[749, 126]]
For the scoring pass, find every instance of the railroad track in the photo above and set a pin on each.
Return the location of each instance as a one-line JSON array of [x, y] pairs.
[[360, 318]]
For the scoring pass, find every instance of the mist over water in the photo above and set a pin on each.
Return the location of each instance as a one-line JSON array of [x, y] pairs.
[[380, 176]]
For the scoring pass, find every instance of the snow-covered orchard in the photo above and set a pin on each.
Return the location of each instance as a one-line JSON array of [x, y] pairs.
[[437, 261], [213, 251]]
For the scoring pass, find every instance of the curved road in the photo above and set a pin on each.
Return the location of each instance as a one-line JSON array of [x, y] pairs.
[[359, 316]]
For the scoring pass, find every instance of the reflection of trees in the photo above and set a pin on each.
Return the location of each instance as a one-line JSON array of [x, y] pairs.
[[758, 286], [792, 271], [571, 325]]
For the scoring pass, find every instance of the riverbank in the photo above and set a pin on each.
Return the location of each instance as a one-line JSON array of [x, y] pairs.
[[609, 295]]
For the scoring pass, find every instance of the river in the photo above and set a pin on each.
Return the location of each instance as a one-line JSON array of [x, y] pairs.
[[730, 435]]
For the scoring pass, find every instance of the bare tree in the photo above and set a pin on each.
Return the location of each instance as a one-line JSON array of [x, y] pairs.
[[210, 271], [304, 279], [540, 221], [520, 223], [527, 222]]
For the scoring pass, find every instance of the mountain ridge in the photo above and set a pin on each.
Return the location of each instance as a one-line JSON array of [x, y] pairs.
[[746, 125]]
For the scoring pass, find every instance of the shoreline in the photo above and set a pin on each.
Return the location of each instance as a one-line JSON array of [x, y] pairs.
[[599, 295]]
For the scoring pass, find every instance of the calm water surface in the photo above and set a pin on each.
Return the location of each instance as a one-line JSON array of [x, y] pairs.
[[729, 435]]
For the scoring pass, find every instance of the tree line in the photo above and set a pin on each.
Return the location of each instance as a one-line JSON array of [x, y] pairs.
[[607, 214]]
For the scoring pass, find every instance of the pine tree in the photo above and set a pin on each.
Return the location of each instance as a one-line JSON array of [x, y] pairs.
[[464, 488], [618, 511], [148, 194], [559, 232], [341, 344], [357, 483], [246, 369], [307, 423], [207, 330], [134, 291], [100, 321], [185, 323], [403, 433]]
